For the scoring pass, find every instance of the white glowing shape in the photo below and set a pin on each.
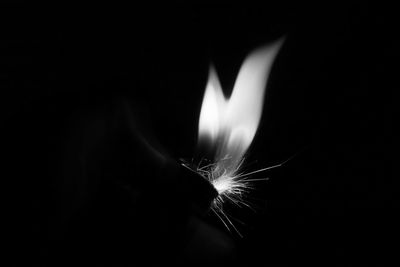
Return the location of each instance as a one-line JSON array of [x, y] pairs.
[[231, 123]]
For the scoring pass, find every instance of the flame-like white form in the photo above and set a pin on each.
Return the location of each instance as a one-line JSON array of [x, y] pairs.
[[231, 123]]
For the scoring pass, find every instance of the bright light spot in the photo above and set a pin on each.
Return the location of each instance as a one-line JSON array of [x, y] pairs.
[[231, 124]]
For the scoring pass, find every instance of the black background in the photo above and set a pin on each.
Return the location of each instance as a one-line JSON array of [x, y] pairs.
[[329, 100]]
